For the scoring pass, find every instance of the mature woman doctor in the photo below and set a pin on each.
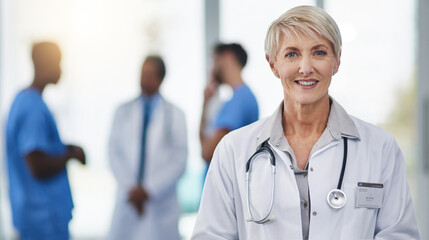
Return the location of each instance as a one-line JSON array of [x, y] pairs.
[[310, 171]]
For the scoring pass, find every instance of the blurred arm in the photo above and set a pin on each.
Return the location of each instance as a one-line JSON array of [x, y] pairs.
[[209, 143], [36, 141], [43, 165]]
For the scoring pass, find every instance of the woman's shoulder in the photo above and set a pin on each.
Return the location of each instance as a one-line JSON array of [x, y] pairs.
[[370, 131], [245, 135]]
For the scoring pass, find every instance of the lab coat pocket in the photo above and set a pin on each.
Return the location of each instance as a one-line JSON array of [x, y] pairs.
[[362, 218]]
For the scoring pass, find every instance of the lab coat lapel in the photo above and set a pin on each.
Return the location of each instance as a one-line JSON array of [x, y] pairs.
[[136, 120]]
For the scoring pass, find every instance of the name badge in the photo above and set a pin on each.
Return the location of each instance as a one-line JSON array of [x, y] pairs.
[[369, 195]]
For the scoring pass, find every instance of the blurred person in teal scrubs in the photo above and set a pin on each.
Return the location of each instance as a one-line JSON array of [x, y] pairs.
[[39, 189]]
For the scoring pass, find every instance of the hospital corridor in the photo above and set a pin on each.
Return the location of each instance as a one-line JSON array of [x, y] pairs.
[[123, 119]]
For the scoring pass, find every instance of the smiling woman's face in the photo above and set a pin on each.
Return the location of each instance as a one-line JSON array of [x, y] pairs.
[[305, 66]]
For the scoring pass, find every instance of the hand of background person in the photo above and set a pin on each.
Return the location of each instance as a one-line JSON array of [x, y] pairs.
[[138, 197], [210, 89], [76, 152]]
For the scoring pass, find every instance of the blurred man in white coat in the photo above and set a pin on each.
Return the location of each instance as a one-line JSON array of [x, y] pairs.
[[148, 152]]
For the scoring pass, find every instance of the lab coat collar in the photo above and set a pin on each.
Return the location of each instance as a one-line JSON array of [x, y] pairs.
[[339, 125]]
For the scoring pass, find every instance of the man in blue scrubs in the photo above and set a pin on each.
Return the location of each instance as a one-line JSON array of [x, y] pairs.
[[38, 185], [240, 110]]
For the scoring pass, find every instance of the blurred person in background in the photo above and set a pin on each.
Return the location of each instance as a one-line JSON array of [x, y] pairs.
[[148, 154], [241, 110], [39, 189], [309, 171]]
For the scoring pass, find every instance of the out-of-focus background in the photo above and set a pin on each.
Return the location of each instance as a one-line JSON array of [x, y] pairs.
[[104, 43]]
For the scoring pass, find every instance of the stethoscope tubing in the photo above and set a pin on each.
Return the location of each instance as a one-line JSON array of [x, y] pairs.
[[343, 168], [266, 217], [337, 198], [337, 193], [264, 148]]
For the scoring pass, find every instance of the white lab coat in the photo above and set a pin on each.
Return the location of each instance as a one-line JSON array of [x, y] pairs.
[[164, 165], [375, 158]]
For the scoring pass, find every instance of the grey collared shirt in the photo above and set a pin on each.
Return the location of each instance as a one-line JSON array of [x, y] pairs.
[[339, 125]]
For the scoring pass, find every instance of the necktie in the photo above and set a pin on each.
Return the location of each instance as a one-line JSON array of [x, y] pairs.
[[146, 117]]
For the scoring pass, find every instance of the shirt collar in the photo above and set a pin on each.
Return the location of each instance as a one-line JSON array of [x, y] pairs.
[[153, 100], [150, 98], [339, 125]]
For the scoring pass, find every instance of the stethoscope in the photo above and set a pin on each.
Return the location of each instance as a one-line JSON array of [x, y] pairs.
[[336, 198]]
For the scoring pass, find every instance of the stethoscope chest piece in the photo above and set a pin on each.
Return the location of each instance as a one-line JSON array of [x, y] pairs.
[[336, 198]]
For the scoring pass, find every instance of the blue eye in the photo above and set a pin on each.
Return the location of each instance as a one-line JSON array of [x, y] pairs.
[[320, 53], [290, 55]]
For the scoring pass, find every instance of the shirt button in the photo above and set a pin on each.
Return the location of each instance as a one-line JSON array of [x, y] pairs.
[[311, 169], [314, 213], [305, 205]]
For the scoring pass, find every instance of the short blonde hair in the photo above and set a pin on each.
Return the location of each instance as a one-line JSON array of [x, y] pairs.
[[303, 20]]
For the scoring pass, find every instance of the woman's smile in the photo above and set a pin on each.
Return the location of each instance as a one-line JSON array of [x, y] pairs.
[[307, 83]]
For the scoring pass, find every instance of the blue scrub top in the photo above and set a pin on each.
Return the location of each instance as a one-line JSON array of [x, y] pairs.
[[35, 203], [241, 110]]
